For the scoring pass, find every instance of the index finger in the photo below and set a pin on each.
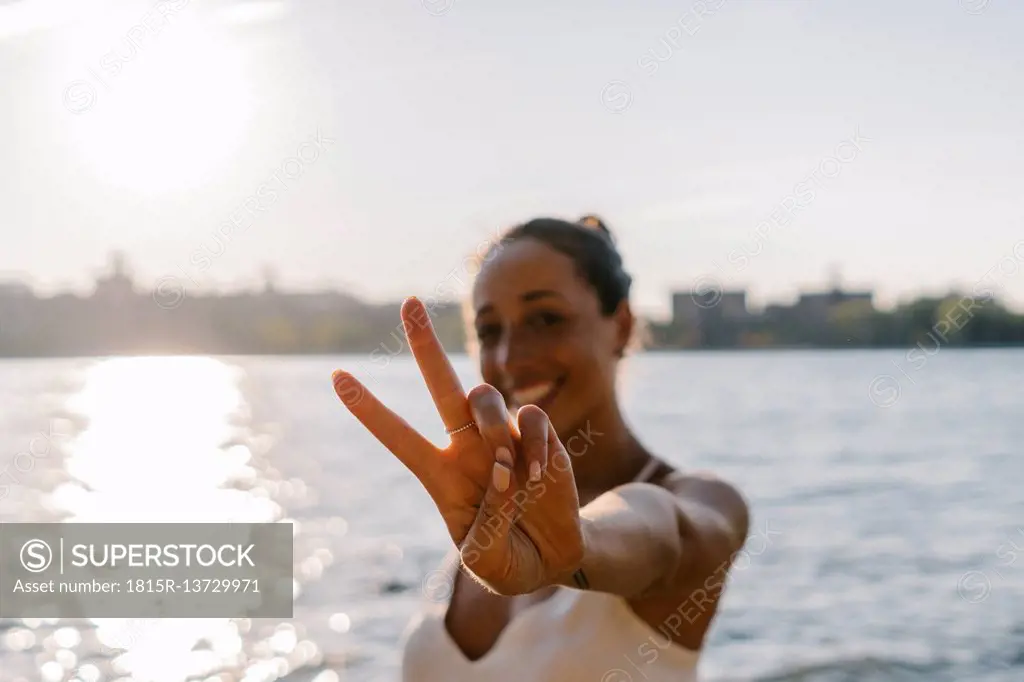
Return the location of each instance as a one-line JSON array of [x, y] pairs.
[[438, 373], [393, 432]]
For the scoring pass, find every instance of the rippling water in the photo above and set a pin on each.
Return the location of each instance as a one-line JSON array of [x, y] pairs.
[[888, 513]]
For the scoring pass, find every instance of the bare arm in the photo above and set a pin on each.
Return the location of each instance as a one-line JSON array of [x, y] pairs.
[[642, 539]]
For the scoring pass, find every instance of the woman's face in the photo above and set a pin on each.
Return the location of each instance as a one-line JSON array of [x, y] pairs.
[[542, 337]]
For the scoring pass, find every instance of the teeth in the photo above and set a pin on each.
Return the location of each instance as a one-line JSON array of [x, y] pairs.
[[529, 396]]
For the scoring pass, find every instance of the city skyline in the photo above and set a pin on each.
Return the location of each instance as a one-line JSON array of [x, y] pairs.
[[758, 144], [118, 275], [120, 318]]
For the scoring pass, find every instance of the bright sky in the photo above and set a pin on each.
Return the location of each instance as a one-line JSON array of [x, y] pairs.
[[421, 126]]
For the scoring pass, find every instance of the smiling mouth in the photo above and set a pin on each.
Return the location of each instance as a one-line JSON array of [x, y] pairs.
[[540, 395]]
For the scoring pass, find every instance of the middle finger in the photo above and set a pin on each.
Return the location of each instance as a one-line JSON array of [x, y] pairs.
[[494, 422], [438, 373]]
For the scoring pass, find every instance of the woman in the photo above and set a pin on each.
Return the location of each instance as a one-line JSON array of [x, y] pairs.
[[583, 555]]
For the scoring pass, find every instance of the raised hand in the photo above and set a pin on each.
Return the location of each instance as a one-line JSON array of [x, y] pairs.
[[517, 533]]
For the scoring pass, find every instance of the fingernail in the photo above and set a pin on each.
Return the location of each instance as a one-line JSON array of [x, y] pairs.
[[501, 477], [534, 471], [347, 388], [503, 455]]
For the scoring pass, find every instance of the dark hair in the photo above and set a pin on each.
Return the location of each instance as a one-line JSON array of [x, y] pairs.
[[589, 243]]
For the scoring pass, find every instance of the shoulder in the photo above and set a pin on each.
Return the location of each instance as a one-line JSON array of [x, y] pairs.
[[716, 502]]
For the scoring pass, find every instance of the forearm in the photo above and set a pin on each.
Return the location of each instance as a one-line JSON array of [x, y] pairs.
[[631, 541]]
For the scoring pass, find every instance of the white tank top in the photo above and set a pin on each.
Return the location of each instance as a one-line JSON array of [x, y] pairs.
[[572, 636]]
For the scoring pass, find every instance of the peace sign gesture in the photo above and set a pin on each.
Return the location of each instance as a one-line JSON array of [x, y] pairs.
[[515, 531]]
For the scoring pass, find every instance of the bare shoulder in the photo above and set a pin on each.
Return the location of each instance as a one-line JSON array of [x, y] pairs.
[[705, 494]]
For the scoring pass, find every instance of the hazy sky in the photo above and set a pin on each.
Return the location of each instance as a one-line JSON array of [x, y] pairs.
[[424, 126]]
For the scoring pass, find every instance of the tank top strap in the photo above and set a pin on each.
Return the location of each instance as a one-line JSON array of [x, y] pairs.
[[648, 470]]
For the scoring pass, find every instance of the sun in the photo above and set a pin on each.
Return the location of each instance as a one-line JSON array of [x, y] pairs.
[[162, 112]]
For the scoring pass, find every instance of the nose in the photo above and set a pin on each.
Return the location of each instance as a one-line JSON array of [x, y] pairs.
[[515, 352]]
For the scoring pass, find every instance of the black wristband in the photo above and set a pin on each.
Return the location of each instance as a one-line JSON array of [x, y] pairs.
[[580, 578]]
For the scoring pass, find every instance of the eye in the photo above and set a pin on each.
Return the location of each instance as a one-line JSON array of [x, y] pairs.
[[488, 333], [546, 319]]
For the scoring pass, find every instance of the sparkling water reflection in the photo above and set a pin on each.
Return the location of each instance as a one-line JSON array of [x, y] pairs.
[[163, 439], [188, 473]]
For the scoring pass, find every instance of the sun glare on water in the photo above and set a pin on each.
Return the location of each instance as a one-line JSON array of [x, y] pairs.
[[155, 111], [158, 444], [164, 441]]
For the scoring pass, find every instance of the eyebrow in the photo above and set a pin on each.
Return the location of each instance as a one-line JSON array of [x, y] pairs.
[[533, 295]]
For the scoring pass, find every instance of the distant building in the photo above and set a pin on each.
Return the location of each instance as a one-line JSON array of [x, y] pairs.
[[691, 309], [685, 311], [775, 313], [817, 308], [713, 318], [733, 305], [117, 285], [15, 289], [16, 299]]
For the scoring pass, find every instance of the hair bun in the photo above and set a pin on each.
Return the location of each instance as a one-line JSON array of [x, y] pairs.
[[594, 222]]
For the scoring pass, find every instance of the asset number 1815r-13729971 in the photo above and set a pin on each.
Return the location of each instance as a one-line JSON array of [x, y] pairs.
[[186, 585]]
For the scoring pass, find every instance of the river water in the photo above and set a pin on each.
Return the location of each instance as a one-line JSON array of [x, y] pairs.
[[886, 495]]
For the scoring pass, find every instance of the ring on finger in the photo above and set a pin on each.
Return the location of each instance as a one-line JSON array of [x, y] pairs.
[[464, 427]]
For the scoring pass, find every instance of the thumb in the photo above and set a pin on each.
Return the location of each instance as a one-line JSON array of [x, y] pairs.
[[486, 551]]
